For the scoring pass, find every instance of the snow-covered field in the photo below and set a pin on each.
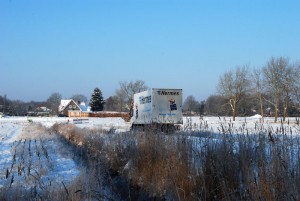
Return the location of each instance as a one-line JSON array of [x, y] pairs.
[[28, 152], [242, 125], [105, 123], [195, 123], [31, 154]]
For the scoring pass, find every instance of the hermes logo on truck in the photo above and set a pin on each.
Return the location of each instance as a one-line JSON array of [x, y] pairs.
[[166, 93]]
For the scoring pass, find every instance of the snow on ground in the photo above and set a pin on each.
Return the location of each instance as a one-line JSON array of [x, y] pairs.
[[7, 132], [26, 148], [29, 154], [195, 123], [251, 125], [104, 123]]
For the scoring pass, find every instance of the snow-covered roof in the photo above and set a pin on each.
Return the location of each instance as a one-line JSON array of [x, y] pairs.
[[43, 108], [64, 103], [84, 107]]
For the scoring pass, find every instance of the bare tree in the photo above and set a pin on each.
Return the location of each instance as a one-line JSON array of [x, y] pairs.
[[191, 104], [111, 104], [202, 105], [126, 91], [121, 101], [3, 103], [17, 108], [53, 102], [216, 105], [275, 77], [259, 90], [232, 85], [288, 85], [296, 89], [79, 98]]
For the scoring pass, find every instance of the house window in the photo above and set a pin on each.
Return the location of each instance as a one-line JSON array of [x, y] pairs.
[[74, 107], [70, 106]]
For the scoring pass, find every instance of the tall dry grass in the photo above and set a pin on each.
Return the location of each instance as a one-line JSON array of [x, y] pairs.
[[224, 166], [187, 165]]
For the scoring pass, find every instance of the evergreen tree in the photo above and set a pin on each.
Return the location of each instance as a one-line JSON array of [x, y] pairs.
[[97, 102]]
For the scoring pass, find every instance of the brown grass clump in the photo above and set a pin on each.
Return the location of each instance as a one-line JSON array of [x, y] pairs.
[[217, 167]]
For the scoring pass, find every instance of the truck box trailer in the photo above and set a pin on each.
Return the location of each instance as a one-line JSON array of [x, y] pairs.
[[162, 107]]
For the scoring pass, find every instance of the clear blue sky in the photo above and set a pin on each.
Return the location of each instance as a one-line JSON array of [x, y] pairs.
[[71, 47]]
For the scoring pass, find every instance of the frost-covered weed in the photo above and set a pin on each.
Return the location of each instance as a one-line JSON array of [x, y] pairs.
[[193, 164]]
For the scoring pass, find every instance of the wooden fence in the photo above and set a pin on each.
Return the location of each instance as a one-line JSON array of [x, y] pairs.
[[74, 113]]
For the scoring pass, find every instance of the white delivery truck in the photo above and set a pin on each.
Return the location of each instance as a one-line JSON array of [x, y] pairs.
[[159, 108]]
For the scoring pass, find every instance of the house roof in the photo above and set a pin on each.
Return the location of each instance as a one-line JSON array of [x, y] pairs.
[[84, 107], [65, 102], [43, 109]]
